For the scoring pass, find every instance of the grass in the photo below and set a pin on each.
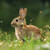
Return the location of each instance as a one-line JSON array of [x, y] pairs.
[[8, 41]]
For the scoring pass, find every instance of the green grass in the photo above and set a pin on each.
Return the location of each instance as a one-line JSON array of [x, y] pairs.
[[8, 41]]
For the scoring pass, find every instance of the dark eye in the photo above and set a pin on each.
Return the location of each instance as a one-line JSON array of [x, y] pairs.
[[16, 20]]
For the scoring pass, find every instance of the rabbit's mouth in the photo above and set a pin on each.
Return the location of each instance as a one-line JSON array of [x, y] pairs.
[[17, 25], [13, 25]]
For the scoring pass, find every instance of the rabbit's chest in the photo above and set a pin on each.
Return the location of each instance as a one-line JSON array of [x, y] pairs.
[[19, 32]]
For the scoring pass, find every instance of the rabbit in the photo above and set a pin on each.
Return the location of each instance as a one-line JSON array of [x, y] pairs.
[[22, 29]]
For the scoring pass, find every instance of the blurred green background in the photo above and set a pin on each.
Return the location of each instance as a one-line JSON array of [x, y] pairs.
[[38, 12]]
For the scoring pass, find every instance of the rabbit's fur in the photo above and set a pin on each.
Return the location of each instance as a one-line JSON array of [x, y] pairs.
[[22, 29]]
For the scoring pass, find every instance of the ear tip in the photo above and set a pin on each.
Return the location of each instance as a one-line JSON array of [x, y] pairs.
[[25, 8], [21, 8]]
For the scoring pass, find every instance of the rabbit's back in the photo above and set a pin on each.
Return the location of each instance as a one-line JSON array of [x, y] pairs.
[[28, 30], [32, 28]]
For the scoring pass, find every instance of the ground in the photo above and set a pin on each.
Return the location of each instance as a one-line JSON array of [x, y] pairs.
[[8, 41]]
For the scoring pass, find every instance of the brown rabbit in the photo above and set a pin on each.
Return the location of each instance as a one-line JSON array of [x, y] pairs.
[[22, 29]]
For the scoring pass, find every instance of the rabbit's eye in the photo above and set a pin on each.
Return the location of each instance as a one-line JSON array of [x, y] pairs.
[[16, 20]]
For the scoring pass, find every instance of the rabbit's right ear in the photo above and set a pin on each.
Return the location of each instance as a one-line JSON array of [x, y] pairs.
[[25, 10]]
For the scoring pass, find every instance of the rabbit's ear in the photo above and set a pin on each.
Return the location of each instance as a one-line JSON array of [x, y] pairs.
[[24, 13], [20, 11], [25, 10]]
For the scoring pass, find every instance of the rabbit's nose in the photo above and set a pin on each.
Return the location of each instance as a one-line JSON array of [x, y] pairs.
[[11, 23]]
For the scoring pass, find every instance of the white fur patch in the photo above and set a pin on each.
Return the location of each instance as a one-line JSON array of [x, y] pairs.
[[17, 33]]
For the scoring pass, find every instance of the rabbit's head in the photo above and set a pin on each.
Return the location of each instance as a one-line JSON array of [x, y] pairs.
[[20, 20]]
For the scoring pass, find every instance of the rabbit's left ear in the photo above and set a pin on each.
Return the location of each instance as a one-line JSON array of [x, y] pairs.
[[20, 11]]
